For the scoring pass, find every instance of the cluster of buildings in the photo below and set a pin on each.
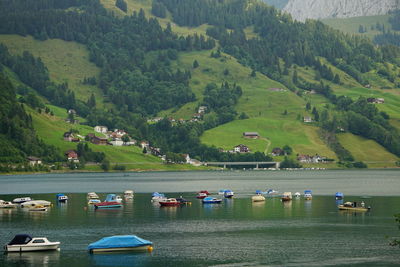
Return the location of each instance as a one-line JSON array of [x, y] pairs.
[[375, 100], [311, 159], [195, 118]]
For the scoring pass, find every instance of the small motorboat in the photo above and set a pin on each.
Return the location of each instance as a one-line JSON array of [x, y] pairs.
[[221, 191], [228, 194], [272, 193], [24, 242], [7, 205], [287, 196], [211, 200], [21, 200], [297, 194], [157, 197], [205, 192], [121, 243], [352, 206], [307, 194], [128, 194], [92, 195], [34, 203], [339, 195], [169, 202], [258, 198], [61, 198], [93, 201], [38, 208], [109, 203], [183, 201], [201, 195], [118, 199]]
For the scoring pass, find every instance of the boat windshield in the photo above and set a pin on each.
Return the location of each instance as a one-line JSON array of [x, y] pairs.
[[20, 239]]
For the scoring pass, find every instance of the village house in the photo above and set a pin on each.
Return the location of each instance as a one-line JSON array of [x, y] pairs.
[[252, 135], [118, 133], [311, 159], [144, 144], [154, 120], [72, 156], [99, 140], [70, 137], [375, 100], [155, 151], [277, 151], [195, 162], [202, 109], [241, 149], [101, 129], [187, 158], [307, 119], [34, 160]]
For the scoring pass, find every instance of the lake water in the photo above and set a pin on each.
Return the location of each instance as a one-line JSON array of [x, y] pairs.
[[234, 233]]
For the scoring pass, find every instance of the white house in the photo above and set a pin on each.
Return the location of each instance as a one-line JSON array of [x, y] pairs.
[[117, 142], [101, 129]]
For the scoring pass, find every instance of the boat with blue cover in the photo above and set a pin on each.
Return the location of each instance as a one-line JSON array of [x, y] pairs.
[[308, 194], [211, 200], [120, 243], [110, 203], [228, 194], [339, 195], [61, 198]]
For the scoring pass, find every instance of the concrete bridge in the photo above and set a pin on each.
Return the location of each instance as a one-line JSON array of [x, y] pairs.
[[235, 163]]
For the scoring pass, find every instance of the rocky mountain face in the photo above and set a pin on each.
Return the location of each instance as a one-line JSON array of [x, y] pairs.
[[319, 9]]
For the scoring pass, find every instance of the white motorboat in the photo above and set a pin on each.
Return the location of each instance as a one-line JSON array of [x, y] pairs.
[[297, 194], [34, 203], [21, 200], [7, 205], [92, 195], [21, 243], [38, 208], [118, 199], [62, 198], [258, 198], [128, 194]]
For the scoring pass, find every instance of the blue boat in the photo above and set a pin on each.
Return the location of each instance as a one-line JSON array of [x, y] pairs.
[[211, 200], [228, 194], [308, 194], [61, 198], [120, 243], [339, 195]]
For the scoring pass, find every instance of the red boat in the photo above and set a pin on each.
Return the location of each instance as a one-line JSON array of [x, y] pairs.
[[169, 202], [109, 203], [205, 192], [201, 195]]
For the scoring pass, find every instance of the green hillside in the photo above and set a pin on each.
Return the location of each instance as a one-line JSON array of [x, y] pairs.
[[147, 64], [351, 25], [66, 62]]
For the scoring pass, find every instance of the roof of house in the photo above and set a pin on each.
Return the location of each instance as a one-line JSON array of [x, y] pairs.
[[250, 133]]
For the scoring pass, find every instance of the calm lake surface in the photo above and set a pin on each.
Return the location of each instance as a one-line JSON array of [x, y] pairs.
[[234, 233]]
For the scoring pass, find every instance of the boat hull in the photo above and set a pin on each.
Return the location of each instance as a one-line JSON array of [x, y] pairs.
[[169, 204], [257, 198], [212, 202], [124, 249], [108, 205], [26, 248], [353, 209]]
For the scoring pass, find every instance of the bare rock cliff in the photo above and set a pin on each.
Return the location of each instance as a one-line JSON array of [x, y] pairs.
[[318, 9]]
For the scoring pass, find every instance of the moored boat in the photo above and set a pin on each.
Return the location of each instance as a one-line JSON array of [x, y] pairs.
[[272, 193], [339, 195], [352, 206], [228, 194], [205, 192], [109, 203], [118, 199], [37, 208], [169, 202], [120, 243], [24, 242], [34, 203], [183, 201], [21, 200], [157, 197], [258, 198], [128, 194], [201, 195], [7, 205], [297, 194], [92, 195], [287, 196], [307, 194], [61, 198], [211, 200]]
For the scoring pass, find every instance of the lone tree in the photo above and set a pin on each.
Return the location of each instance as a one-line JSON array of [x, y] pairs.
[[195, 64]]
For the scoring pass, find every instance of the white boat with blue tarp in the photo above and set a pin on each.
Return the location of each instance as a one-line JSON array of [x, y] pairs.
[[228, 194], [61, 198], [110, 203], [211, 200], [307, 194], [339, 195], [120, 243]]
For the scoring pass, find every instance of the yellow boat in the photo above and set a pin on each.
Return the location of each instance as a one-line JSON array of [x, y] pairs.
[[352, 206]]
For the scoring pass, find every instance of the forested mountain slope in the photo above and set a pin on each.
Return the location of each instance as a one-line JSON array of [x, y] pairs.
[[255, 70]]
